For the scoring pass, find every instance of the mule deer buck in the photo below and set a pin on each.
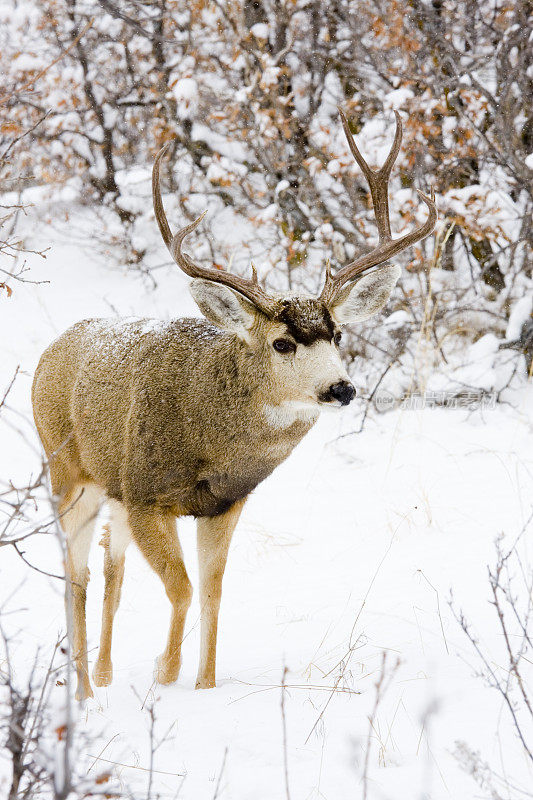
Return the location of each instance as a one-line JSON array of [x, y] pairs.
[[187, 417]]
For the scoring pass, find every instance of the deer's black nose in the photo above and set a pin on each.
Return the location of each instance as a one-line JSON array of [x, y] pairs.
[[343, 391]]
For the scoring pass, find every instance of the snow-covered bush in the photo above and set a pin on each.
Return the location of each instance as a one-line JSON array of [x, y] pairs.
[[248, 92]]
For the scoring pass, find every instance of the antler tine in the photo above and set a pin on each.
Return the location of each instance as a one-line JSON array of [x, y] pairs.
[[182, 259], [250, 289], [388, 247], [378, 180], [159, 211]]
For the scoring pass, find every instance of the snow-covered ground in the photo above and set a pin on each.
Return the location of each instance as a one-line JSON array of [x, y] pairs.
[[346, 555]]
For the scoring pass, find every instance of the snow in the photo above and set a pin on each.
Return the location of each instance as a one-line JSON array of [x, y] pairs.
[[398, 98], [281, 186], [186, 96], [132, 176], [232, 149], [269, 213], [28, 62], [397, 319], [224, 168], [356, 539], [478, 370], [270, 76], [260, 31], [520, 313]]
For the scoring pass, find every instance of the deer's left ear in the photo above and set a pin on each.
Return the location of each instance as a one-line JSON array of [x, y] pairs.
[[366, 297]]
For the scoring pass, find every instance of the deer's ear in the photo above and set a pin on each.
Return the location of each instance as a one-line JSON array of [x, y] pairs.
[[224, 307], [365, 298]]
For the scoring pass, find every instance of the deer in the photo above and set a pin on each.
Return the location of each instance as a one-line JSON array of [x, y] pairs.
[[186, 417]]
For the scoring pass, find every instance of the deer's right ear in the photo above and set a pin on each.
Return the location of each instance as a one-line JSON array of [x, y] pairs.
[[223, 307]]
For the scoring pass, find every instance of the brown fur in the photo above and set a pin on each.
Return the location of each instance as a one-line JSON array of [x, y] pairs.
[[116, 403], [163, 420], [167, 419], [306, 319]]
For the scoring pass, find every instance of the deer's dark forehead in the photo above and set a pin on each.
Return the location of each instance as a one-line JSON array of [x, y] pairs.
[[307, 319]]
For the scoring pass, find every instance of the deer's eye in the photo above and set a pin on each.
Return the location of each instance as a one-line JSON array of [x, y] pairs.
[[283, 346], [337, 338]]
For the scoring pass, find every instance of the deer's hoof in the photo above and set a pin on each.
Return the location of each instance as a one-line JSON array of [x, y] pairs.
[[165, 672], [84, 691], [102, 674], [205, 683]]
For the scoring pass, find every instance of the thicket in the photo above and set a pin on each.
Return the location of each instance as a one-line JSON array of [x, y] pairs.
[[248, 93]]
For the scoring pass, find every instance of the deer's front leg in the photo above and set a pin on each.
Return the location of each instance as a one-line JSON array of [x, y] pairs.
[[154, 532], [214, 537]]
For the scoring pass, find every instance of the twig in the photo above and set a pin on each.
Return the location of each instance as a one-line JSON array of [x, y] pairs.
[[343, 663], [284, 727], [381, 688], [135, 766], [490, 672], [40, 74], [9, 386], [217, 787], [438, 609]]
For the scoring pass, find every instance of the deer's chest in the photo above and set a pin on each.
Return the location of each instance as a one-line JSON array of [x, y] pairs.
[[231, 476], [206, 483], [203, 470]]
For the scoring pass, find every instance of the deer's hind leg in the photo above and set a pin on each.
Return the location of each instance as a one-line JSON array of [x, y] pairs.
[[116, 539], [154, 532], [78, 510]]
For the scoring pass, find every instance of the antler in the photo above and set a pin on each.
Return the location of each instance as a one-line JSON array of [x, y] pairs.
[[249, 288], [378, 181]]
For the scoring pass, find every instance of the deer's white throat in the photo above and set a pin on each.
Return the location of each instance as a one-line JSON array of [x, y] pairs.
[[290, 411]]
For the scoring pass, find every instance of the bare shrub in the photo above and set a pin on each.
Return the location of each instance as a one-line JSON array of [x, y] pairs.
[[509, 672]]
